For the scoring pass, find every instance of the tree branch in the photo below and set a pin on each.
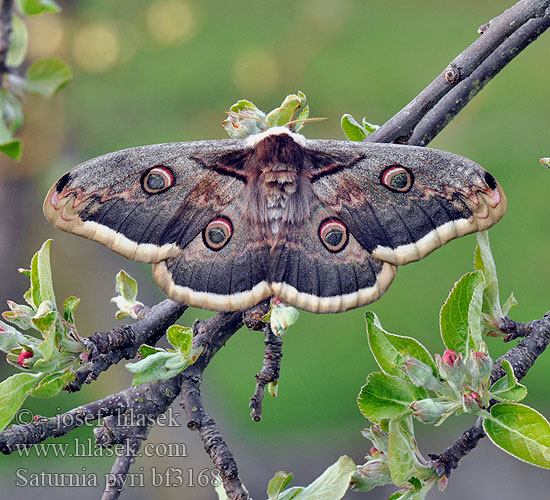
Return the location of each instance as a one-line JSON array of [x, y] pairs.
[[108, 348], [400, 127], [6, 13], [270, 370], [521, 357]]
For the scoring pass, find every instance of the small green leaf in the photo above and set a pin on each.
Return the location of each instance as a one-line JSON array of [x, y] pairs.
[[69, 306], [300, 119], [41, 276], [369, 127], [370, 475], [126, 286], [52, 384], [239, 126], [34, 7], [147, 350], [352, 129], [46, 77], [18, 42], [384, 396], [10, 338], [279, 482], [460, 316], [332, 484], [285, 113], [181, 338], [390, 351], [520, 431], [47, 325], [161, 365], [510, 303], [13, 392], [507, 389], [401, 453], [8, 145]]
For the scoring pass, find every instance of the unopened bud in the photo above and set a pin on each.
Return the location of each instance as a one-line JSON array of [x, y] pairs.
[[23, 356], [282, 317], [479, 366], [375, 452], [451, 367], [471, 402], [421, 375], [429, 411]]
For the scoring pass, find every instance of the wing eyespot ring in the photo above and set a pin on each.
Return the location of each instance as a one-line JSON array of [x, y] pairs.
[[333, 234], [157, 179], [397, 178], [217, 233]]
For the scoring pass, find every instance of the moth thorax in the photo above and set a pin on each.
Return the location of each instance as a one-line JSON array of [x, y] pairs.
[[279, 185]]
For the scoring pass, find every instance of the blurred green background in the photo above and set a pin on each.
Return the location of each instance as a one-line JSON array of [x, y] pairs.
[[167, 70]]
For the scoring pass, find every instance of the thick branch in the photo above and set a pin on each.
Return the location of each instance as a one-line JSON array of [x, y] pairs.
[[108, 348], [521, 357], [400, 127], [146, 399], [450, 105]]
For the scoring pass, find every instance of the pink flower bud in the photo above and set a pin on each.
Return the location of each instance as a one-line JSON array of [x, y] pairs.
[[449, 357], [23, 356], [471, 401], [375, 452]]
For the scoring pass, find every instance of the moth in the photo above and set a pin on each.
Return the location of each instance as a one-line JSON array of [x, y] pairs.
[[322, 224]]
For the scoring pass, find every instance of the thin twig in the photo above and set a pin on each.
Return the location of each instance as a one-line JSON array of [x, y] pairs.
[[270, 371]]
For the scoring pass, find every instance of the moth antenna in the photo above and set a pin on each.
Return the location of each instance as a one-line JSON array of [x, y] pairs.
[[248, 117], [305, 120]]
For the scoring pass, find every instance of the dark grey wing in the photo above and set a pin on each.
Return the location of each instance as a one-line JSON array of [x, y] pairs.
[[148, 203], [322, 277], [403, 202]]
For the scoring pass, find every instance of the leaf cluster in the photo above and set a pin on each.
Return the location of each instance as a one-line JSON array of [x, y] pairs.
[[414, 385]]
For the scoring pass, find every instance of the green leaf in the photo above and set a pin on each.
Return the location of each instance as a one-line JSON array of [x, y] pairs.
[[510, 303], [238, 126], [147, 350], [279, 482], [52, 384], [8, 145], [507, 389], [18, 42], [385, 396], [46, 77], [332, 484], [352, 129], [181, 338], [304, 115], [161, 365], [285, 113], [41, 276], [13, 392], [291, 493], [401, 452], [69, 307], [370, 475], [460, 316], [34, 7], [10, 338], [390, 351], [369, 127], [47, 325], [126, 286], [520, 431]]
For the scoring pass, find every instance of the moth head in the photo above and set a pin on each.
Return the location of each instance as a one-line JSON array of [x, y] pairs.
[[157, 179]]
